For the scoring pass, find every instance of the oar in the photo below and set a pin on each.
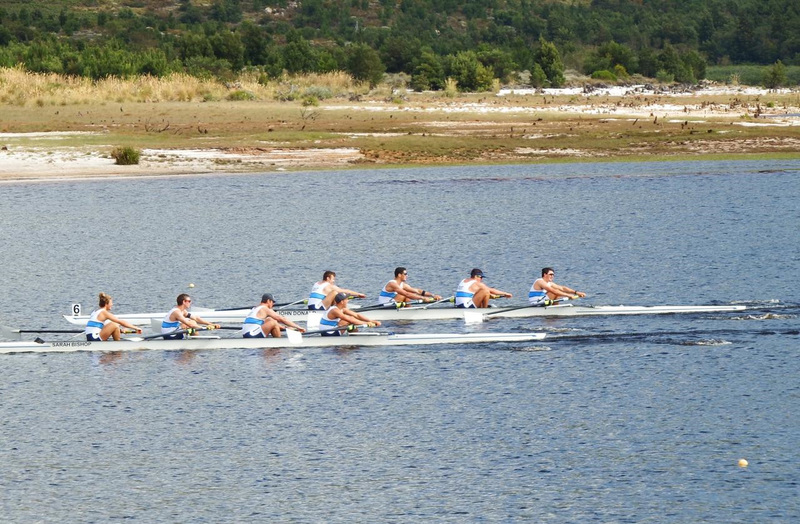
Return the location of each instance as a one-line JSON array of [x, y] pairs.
[[178, 332], [476, 317], [281, 305], [295, 337], [7, 332], [389, 305], [429, 304]]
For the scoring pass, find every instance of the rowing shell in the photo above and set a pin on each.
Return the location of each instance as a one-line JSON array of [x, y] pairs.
[[212, 343], [439, 313]]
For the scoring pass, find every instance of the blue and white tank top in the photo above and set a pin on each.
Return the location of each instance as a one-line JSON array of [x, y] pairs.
[[94, 325], [317, 295], [167, 325], [327, 321], [385, 296], [252, 324], [536, 296], [463, 294]]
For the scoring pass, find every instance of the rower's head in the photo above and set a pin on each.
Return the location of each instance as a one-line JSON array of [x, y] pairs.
[[340, 298], [400, 271], [329, 276], [267, 297], [476, 273], [104, 300], [548, 272], [184, 298]]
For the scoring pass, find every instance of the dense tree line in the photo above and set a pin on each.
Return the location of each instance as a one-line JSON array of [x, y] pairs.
[[471, 41]]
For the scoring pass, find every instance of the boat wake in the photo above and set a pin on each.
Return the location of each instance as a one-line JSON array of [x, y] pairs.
[[673, 338]]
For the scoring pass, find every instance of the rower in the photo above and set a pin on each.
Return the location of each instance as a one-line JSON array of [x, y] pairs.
[[322, 289], [102, 324], [339, 315], [180, 318], [398, 290], [544, 290], [473, 293], [262, 321]]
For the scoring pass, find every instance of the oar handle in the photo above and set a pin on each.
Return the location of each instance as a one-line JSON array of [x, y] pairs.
[[188, 331], [348, 327], [390, 305]]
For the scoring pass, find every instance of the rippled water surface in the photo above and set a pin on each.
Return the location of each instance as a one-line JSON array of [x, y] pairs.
[[609, 419]]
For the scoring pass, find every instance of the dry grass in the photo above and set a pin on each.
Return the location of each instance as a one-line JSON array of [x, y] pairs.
[[21, 88]]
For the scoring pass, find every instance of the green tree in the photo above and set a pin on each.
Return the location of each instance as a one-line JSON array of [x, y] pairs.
[[428, 72], [549, 59], [775, 76], [469, 72], [365, 64]]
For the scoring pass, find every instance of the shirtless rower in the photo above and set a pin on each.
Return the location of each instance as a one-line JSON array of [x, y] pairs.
[[179, 318], [398, 290], [262, 321], [544, 290], [327, 288], [473, 293], [102, 323], [339, 315]]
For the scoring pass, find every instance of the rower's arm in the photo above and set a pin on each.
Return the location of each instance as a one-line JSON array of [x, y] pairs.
[[285, 321], [351, 292]]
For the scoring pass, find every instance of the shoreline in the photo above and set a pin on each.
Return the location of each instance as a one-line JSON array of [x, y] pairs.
[[416, 130]]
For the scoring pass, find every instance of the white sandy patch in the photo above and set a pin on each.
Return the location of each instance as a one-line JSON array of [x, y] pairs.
[[620, 102], [622, 91], [554, 152], [55, 163], [56, 135], [774, 123]]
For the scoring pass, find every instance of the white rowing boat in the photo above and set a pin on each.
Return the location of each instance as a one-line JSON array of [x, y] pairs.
[[213, 343], [438, 313]]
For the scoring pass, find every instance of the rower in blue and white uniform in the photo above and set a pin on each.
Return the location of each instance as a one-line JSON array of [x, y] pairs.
[[544, 290], [327, 288], [473, 293], [102, 324], [262, 321], [338, 315], [538, 297], [398, 290], [179, 318]]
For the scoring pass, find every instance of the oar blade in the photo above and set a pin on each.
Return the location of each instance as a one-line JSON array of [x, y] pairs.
[[9, 333], [294, 337], [313, 320], [473, 317]]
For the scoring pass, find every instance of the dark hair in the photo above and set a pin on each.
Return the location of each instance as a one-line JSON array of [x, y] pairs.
[[327, 274], [103, 299], [399, 271], [181, 298], [546, 270]]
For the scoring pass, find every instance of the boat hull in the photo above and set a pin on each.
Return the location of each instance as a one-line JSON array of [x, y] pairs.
[[214, 343], [442, 313]]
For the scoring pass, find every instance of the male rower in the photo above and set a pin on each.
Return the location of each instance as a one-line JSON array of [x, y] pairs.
[[179, 318], [398, 290], [473, 293], [262, 321], [327, 288], [544, 290], [339, 315]]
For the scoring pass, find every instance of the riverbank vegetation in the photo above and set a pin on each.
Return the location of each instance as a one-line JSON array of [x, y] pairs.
[[474, 43]]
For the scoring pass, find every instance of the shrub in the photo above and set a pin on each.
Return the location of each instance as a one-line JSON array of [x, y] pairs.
[[125, 156], [241, 95], [604, 75]]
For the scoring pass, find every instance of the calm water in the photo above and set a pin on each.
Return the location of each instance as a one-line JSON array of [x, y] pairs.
[[627, 419]]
